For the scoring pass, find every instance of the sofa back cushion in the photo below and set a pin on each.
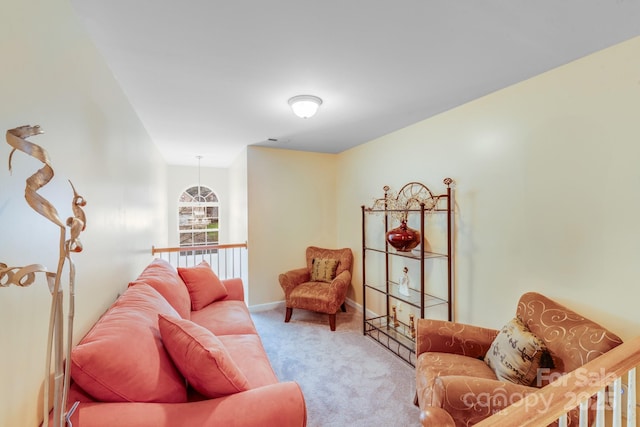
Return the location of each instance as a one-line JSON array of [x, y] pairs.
[[203, 285], [122, 359], [572, 339], [165, 279]]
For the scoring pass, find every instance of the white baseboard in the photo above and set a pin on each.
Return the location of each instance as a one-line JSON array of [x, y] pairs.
[[267, 306], [281, 305], [354, 304], [358, 307]]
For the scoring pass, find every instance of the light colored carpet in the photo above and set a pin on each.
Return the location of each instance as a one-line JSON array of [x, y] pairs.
[[347, 379]]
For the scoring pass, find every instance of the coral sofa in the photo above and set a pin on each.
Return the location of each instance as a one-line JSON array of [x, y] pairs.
[[456, 369], [179, 348]]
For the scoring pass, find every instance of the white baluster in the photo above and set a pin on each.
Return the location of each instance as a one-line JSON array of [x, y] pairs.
[[617, 402], [631, 398], [584, 413], [562, 421], [600, 408]]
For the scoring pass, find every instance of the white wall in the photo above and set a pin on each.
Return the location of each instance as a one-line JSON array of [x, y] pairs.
[[181, 178], [53, 76], [547, 190], [238, 211], [292, 205]]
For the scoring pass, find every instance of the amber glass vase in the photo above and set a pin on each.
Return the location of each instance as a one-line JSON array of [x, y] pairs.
[[403, 238]]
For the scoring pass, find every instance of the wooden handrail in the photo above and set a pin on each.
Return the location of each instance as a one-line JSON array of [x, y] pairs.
[[155, 250], [550, 402], [227, 260]]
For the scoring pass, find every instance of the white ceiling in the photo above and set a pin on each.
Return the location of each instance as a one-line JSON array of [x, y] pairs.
[[209, 77]]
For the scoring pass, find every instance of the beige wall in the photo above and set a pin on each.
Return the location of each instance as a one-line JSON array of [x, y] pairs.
[[179, 178], [547, 189], [547, 193], [53, 76], [292, 204]]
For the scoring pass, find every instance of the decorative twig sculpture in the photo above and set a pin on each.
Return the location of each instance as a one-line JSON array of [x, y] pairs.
[[25, 276]]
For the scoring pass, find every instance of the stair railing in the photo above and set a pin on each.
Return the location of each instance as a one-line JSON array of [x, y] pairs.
[[226, 260]]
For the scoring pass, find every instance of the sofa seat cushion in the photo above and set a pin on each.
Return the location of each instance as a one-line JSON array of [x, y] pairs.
[[122, 359], [248, 353], [201, 357], [432, 365], [165, 279], [226, 317]]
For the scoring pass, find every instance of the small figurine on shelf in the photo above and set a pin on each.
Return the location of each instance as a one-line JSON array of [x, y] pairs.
[[404, 282], [412, 326], [395, 317]]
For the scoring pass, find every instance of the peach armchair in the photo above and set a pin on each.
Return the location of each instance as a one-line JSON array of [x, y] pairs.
[[452, 376], [322, 285]]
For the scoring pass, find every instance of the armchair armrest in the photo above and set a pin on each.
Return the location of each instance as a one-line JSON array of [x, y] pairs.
[[340, 285], [436, 417], [474, 399], [235, 289], [470, 400], [280, 404], [341, 282], [292, 278], [451, 337]]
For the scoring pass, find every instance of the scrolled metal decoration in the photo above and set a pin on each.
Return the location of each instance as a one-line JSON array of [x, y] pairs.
[[410, 197], [26, 276]]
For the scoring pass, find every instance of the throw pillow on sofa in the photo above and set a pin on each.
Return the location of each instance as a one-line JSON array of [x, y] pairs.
[[201, 357], [122, 359], [203, 285], [516, 354], [161, 276]]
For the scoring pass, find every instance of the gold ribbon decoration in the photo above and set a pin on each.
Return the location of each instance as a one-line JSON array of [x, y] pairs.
[[17, 139], [25, 276]]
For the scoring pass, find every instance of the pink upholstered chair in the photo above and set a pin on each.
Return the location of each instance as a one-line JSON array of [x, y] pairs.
[[452, 376], [320, 286]]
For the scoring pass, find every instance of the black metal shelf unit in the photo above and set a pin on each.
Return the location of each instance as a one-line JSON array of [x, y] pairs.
[[434, 214]]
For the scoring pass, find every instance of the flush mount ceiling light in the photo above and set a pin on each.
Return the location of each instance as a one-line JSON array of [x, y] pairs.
[[305, 106]]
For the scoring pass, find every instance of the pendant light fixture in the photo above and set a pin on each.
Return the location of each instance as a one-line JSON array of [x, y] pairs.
[[305, 106], [199, 212]]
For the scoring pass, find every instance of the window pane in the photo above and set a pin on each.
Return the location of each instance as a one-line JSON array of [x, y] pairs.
[[212, 211], [212, 237], [186, 239], [211, 197], [199, 238], [184, 216], [193, 191]]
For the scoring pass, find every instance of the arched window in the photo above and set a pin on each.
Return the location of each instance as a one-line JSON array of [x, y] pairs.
[[198, 211]]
